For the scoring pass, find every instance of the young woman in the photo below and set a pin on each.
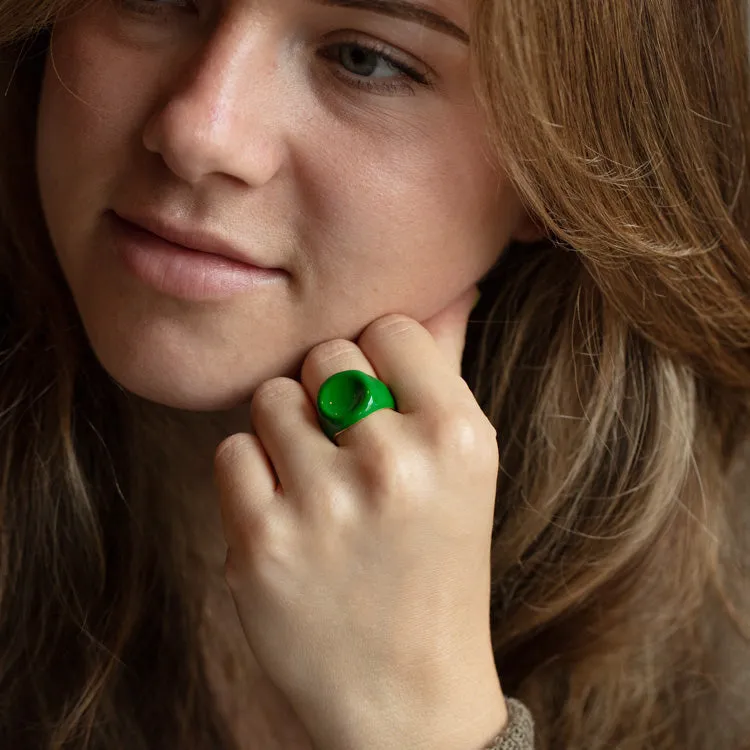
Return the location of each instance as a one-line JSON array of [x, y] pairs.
[[211, 211]]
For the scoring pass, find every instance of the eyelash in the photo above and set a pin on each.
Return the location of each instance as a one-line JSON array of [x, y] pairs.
[[403, 83], [400, 84]]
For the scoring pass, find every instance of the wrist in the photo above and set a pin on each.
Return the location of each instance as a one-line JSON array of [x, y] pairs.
[[467, 713], [472, 721]]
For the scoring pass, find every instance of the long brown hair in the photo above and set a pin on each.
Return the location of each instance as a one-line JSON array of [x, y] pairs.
[[613, 358]]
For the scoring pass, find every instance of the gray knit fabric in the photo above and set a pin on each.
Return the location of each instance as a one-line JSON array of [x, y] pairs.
[[519, 731]]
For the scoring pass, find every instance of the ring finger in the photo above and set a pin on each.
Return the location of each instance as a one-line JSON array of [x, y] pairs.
[[333, 357]]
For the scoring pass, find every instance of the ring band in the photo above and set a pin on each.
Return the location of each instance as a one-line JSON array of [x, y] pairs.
[[348, 397]]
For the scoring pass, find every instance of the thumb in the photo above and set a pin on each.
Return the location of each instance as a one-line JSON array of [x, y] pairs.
[[448, 326]]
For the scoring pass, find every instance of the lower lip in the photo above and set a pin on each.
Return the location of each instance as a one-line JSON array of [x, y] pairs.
[[180, 272]]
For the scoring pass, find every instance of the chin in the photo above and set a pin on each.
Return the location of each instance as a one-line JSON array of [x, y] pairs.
[[180, 364], [188, 396], [190, 378], [178, 384], [205, 401]]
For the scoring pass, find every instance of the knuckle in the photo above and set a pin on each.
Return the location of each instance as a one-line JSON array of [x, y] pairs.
[[388, 472], [334, 502], [460, 435], [388, 326], [270, 392], [329, 351], [231, 451]]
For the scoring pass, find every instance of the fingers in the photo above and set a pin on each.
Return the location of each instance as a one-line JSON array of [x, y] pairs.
[[337, 356], [246, 482], [292, 451], [258, 475], [286, 422], [329, 358], [448, 327], [409, 360]]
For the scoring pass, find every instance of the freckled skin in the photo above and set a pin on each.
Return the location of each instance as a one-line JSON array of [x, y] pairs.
[[372, 202]]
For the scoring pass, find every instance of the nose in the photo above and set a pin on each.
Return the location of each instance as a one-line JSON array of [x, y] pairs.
[[220, 115]]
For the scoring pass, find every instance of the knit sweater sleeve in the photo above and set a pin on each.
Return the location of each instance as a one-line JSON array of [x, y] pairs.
[[519, 731]]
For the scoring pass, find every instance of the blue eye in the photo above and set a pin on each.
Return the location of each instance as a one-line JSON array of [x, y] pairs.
[[370, 63], [373, 66]]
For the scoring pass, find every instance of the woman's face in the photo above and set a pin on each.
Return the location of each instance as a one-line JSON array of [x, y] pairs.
[[336, 141]]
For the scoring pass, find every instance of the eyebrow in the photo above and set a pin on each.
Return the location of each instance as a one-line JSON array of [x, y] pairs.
[[409, 11]]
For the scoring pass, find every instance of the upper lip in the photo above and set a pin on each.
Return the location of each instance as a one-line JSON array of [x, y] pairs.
[[192, 237]]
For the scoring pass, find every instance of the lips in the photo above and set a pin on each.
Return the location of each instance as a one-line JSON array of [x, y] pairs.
[[193, 237], [190, 264]]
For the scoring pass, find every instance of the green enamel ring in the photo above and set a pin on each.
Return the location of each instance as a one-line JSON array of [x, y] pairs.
[[348, 397]]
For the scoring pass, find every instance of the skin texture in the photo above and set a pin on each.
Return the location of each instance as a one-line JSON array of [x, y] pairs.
[[238, 117], [360, 570], [231, 118]]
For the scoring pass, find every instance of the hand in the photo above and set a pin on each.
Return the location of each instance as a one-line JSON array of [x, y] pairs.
[[361, 571]]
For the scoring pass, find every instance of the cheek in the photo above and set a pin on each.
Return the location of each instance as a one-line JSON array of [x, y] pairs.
[[412, 221], [79, 112], [85, 124]]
